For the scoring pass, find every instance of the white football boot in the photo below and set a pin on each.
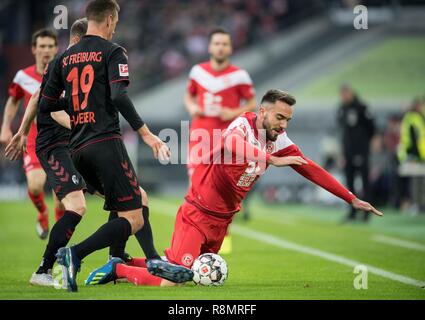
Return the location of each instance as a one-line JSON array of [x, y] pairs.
[[42, 279]]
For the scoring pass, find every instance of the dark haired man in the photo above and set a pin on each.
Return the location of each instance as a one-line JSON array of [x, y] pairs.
[[94, 74], [25, 83], [52, 151], [217, 93], [250, 144]]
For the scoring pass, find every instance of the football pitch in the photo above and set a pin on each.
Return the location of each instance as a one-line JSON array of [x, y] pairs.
[[283, 252]]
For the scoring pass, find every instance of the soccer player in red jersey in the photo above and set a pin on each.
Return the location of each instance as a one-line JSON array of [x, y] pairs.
[[250, 144], [217, 93], [25, 83]]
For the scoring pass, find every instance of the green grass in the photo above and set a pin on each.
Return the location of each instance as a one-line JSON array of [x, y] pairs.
[[257, 270], [394, 68]]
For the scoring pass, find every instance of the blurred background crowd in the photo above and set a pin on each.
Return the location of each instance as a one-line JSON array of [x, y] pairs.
[[165, 38]]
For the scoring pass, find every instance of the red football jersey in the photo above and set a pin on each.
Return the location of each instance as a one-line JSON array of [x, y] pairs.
[[218, 187], [216, 89], [25, 83], [212, 91]]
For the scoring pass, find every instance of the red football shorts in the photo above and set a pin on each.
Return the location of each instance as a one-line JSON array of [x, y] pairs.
[[30, 159], [195, 233]]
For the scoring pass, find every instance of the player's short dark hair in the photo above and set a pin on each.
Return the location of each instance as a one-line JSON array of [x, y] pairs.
[[42, 33], [274, 95], [98, 10], [218, 31], [79, 27]]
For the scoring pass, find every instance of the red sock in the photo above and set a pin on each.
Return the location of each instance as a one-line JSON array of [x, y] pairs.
[[137, 262], [38, 201], [138, 276], [58, 213]]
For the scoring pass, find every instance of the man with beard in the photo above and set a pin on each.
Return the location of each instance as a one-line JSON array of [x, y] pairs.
[[249, 145], [217, 93]]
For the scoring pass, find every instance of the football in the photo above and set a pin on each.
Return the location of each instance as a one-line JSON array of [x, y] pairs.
[[209, 270]]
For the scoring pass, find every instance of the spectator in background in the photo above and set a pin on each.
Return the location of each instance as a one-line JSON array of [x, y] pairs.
[[411, 150], [398, 185], [358, 128], [412, 137]]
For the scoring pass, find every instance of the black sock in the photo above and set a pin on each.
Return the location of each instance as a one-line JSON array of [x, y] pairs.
[[59, 237], [116, 249], [115, 231], [145, 237]]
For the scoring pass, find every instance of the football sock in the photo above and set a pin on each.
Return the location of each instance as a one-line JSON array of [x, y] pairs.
[[137, 276], [115, 231], [59, 237], [137, 262], [145, 238], [58, 213], [116, 249], [38, 201]]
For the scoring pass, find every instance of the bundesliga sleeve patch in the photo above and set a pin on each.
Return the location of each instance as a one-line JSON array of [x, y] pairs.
[[123, 68]]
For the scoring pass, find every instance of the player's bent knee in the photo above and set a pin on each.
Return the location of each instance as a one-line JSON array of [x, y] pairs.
[[144, 197], [138, 223], [135, 218], [35, 188], [75, 202]]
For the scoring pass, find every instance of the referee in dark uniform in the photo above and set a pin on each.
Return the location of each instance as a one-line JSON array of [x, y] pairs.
[[357, 126]]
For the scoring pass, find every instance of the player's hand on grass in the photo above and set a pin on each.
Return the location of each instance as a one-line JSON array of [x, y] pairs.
[[287, 161], [5, 136], [16, 146], [365, 206]]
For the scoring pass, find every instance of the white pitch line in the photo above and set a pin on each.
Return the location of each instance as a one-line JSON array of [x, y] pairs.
[[284, 244], [266, 238], [399, 242]]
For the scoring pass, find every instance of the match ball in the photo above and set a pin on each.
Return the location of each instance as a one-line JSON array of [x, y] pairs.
[[209, 270]]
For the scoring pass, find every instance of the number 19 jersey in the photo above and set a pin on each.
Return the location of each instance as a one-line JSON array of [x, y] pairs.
[[85, 71]]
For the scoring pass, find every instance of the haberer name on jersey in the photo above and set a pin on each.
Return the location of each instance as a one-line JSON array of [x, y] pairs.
[[82, 57], [82, 117]]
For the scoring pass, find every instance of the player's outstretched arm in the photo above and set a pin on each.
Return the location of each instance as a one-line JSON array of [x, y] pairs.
[[17, 144], [365, 206], [316, 174]]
